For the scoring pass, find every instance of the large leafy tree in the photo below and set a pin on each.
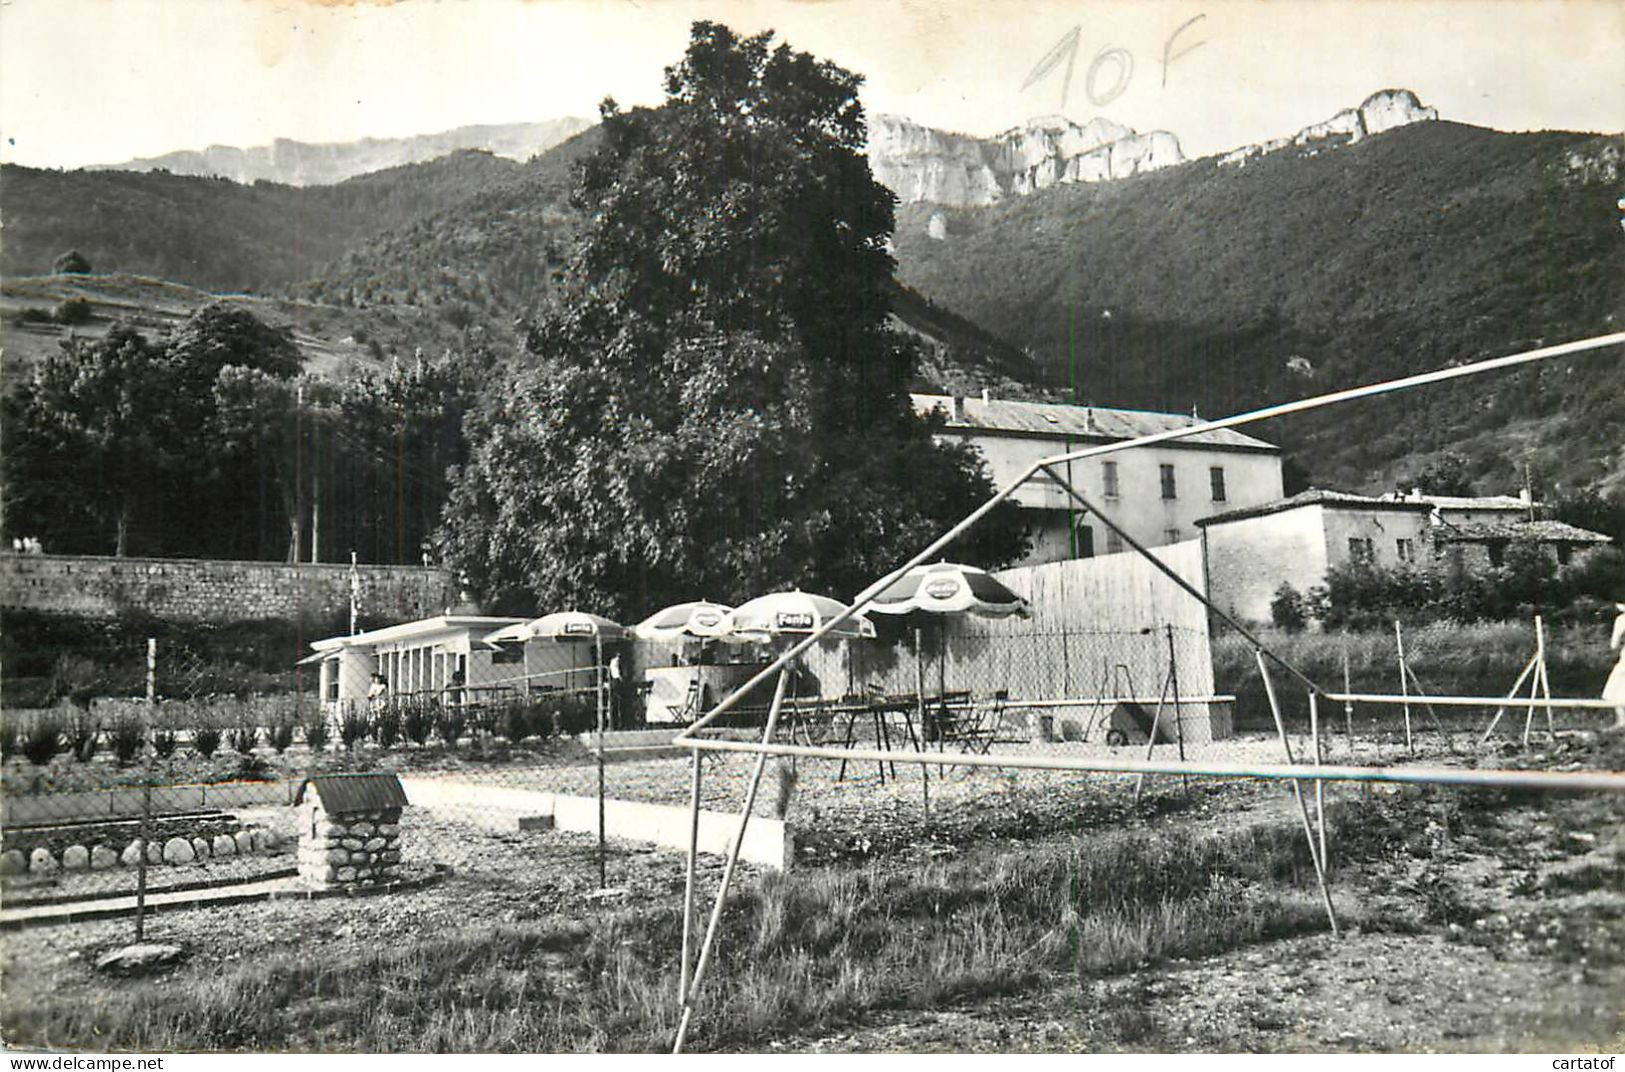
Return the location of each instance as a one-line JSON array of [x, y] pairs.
[[718, 404], [89, 440]]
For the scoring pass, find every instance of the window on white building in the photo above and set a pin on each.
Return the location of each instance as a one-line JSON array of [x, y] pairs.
[[1168, 489], [1109, 474], [1114, 543], [1406, 549], [1215, 476], [1360, 549]]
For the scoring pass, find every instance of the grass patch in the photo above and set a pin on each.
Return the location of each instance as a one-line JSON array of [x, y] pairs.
[[799, 953]]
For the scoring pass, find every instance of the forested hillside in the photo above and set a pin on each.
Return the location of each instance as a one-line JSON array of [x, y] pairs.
[[1221, 288], [214, 234]]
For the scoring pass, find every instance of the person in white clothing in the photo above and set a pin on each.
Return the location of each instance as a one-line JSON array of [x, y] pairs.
[[1615, 688]]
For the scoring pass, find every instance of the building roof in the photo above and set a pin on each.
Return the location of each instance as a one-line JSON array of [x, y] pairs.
[[1463, 502], [1487, 531], [445, 623], [1319, 497], [1051, 420], [373, 791]]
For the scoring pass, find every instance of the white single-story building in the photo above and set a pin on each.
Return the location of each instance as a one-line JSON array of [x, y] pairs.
[[416, 658]]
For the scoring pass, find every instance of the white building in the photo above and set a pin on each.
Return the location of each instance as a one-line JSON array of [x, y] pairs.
[[416, 658], [1155, 493], [1251, 552]]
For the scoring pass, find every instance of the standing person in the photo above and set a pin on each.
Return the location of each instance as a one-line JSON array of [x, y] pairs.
[[377, 692], [1615, 688]]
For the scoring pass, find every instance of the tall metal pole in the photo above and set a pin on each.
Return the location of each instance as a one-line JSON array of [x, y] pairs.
[[598, 696], [1320, 786], [691, 997], [1404, 686], [688, 885], [355, 593], [1297, 791], [1179, 714], [146, 793]]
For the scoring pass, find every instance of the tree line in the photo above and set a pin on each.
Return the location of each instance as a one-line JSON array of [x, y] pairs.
[[214, 443]]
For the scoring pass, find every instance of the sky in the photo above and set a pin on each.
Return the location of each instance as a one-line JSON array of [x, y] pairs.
[[102, 81]]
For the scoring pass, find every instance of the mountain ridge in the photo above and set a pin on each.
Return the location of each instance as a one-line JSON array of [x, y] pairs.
[[300, 163]]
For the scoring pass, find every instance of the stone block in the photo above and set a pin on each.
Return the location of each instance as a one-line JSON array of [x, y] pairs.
[[102, 857], [362, 829], [13, 862], [389, 829], [374, 844], [224, 845], [339, 857], [245, 841], [41, 862], [178, 850], [390, 856], [330, 829], [131, 856], [200, 848], [352, 843], [75, 858], [536, 822], [346, 874]]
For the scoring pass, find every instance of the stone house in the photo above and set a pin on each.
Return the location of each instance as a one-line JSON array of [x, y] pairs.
[[1249, 553]]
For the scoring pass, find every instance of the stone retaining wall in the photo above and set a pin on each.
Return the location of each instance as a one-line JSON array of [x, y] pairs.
[[216, 590], [106, 856]]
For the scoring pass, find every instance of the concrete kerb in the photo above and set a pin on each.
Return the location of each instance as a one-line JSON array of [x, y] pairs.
[[125, 803], [768, 842], [215, 898]]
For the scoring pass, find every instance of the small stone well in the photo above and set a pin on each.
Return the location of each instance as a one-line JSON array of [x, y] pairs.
[[349, 828]]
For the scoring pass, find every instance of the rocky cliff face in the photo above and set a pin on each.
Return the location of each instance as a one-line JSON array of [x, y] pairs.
[[922, 164], [299, 163], [1383, 110]]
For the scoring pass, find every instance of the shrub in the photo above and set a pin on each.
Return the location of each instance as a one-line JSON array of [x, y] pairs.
[[353, 726], [577, 713], [34, 315], [316, 732], [518, 721], [386, 726], [280, 735], [164, 742], [1287, 609], [42, 740], [244, 737], [450, 725], [125, 738], [417, 721], [72, 311], [83, 734], [206, 740]]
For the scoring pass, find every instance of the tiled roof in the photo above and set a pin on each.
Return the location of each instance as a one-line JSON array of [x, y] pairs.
[[1059, 421], [1464, 502], [355, 792], [1318, 497], [1544, 531]]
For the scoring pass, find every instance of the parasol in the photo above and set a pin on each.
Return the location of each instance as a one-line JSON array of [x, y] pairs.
[[700, 618], [793, 613]]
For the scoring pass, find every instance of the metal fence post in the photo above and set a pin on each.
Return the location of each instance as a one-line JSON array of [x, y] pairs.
[[146, 791]]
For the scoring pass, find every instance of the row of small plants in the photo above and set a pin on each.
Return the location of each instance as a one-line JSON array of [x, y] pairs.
[[43, 736]]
